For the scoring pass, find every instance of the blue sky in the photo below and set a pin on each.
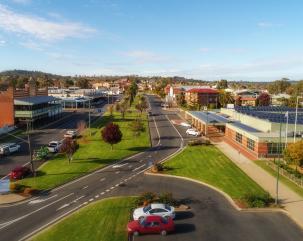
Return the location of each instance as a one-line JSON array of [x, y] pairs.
[[206, 39]]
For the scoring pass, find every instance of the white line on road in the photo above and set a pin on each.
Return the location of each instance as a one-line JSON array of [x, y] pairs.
[[102, 193], [102, 179], [97, 196], [139, 167], [119, 165], [41, 200], [90, 200], [117, 172], [130, 166], [77, 199], [63, 206], [84, 187], [26, 215]]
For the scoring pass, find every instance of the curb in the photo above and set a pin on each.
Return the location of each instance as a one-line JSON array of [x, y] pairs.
[[230, 200]]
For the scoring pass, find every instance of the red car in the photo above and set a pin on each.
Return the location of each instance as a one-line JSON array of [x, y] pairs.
[[19, 172], [151, 224]]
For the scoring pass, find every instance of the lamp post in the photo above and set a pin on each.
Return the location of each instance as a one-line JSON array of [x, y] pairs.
[[296, 118], [286, 129], [278, 164]]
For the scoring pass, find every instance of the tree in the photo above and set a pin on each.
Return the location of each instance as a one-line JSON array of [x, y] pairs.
[[137, 127], [181, 99], [132, 91], [225, 98], [111, 134], [123, 107], [142, 104], [69, 147], [110, 109], [279, 86], [222, 84], [263, 99], [83, 83], [294, 153]]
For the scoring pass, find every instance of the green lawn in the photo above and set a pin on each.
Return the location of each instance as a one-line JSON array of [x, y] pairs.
[[92, 154], [105, 220], [283, 179], [210, 165]]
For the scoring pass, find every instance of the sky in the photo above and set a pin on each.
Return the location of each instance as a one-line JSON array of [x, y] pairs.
[[251, 40]]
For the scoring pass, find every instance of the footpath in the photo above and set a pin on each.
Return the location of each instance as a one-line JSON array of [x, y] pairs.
[[291, 201]]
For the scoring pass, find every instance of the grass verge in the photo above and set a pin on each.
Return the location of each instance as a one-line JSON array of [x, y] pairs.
[[92, 154], [283, 179], [103, 221], [210, 165]]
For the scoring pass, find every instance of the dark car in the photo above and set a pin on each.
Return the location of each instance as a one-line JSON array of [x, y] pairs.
[[19, 172], [151, 224]]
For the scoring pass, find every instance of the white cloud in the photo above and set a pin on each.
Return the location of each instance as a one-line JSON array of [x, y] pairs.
[[269, 25], [33, 45], [2, 42], [141, 56], [204, 50], [40, 28]]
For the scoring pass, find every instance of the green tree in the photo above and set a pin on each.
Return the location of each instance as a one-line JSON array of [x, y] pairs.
[[222, 84], [225, 98], [294, 153], [279, 86]]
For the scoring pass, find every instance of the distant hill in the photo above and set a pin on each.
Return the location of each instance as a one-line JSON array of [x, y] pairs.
[[27, 73]]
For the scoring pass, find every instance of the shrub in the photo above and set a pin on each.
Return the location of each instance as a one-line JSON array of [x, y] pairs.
[[146, 198], [158, 167], [198, 142], [256, 200], [15, 187]]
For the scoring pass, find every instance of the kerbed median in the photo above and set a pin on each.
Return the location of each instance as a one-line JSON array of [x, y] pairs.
[[93, 153]]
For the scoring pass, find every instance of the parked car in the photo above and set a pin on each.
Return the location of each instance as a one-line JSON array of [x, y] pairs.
[[70, 134], [8, 148], [19, 172], [157, 209], [193, 132], [185, 124], [151, 224], [54, 146]]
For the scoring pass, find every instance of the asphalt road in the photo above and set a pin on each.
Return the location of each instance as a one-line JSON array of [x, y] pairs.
[[42, 137], [212, 217]]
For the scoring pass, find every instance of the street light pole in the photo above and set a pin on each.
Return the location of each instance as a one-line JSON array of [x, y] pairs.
[[286, 129], [90, 133], [278, 164], [30, 148], [296, 119]]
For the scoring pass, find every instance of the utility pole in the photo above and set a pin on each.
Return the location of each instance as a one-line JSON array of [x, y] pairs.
[[296, 119], [90, 132], [30, 148], [278, 164], [286, 129]]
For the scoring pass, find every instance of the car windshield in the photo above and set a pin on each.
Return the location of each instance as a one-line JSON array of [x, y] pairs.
[[52, 144], [167, 207], [147, 208]]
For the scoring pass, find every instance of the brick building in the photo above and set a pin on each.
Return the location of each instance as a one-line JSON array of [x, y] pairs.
[[28, 104], [202, 97]]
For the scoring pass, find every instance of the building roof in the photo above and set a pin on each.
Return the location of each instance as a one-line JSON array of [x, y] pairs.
[[203, 90], [244, 127], [210, 117], [33, 100]]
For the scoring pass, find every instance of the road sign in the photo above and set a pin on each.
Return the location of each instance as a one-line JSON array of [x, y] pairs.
[[4, 186]]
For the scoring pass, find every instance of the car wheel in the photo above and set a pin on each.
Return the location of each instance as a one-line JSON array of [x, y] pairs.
[[163, 233], [136, 233]]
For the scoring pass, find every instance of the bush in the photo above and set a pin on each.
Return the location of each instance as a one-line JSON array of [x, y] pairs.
[[15, 187], [198, 142], [28, 191], [158, 167], [146, 198], [256, 200]]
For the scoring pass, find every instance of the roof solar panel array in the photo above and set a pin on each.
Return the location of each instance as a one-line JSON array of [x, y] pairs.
[[272, 113]]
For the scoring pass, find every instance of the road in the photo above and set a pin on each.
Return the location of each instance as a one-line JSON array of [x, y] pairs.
[[212, 217], [42, 137]]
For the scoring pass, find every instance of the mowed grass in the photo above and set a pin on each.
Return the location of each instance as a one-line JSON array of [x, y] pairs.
[[105, 220], [283, 179], [210, 165], [92, 154]]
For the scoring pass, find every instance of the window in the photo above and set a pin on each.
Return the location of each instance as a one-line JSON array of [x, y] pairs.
[[275, 148], [250, 144], [238, 137]]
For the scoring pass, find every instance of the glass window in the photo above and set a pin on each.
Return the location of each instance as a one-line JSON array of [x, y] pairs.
[[275, 148], [147, 208], [250, 144], [238, 137]]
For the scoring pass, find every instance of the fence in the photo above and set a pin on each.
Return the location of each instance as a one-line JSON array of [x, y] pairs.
[[283, 172]]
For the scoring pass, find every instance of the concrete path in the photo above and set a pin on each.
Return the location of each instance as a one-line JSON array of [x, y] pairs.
[[292, 202]]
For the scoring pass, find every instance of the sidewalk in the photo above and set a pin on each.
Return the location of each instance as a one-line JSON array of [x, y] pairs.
[[292, 202]]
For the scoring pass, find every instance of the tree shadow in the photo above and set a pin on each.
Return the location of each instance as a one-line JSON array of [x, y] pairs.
[[184, 215], [184, 228]]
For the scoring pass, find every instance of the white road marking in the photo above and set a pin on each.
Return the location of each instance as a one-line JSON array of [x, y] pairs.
[[97, 196], [102, 193], [90, 200], [63, 206], [119, 165], [3, 225], [117, 185], [138, 168], [130, 166], [41, 200], [117, 172], [85, 203], [107, 190], [112, 188], [77, 199], [102, 179], [84, 187]]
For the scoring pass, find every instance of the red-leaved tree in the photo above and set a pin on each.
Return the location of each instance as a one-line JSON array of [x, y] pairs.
[[263, 99], [111, 134], [69, 147]]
